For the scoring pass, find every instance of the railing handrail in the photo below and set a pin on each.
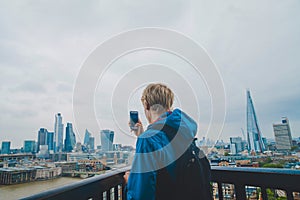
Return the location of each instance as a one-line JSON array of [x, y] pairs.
[[72, 186], [285, 179], [258, 170]]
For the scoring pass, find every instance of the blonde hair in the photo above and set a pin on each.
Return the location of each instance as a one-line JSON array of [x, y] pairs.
[[157, 96]]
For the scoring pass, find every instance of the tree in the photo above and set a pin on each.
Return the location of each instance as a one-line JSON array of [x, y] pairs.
[[273, 196], [226, 154], [272, 165], [294, 148]]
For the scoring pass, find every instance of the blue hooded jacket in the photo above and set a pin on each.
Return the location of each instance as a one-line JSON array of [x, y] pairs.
[[155, 150]]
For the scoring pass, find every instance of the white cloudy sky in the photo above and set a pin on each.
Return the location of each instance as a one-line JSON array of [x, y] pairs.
[[254, 43]]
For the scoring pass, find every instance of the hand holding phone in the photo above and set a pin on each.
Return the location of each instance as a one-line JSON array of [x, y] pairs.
[[135, 124], [134, 118]]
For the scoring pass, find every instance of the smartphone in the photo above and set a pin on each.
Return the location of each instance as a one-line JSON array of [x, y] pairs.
[[134, 118]]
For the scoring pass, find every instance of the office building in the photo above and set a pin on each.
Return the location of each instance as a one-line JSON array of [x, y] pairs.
[[50, 141], [29, 146], [58, 133], [5, 147], [91, 145], [107, 138], [117, 147], [42, 138], [283, 136], [89, 141], [87, 136], [265, 142], [78, 147], [254, 136], [236, 145], [70, 140], [43, 152]]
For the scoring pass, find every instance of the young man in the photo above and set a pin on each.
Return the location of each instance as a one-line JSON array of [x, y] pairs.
[[154, 173]]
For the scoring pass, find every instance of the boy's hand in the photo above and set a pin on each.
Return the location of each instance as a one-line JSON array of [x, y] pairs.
[[138, 128], [126, 175]]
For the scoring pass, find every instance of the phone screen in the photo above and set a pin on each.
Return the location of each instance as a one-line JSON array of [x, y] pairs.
[[134, 118]]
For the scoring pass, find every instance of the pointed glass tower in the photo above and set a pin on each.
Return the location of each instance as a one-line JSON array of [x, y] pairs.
[[87, 137], [255, 142]]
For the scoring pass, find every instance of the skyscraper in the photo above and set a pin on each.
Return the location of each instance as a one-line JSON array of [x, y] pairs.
[[107, 138], [91, 145], [50, 141], [255, 142], [70, 140], [29, 146], [236, 145], [283, 136], [89, 141], [5, 147], [87, 136], [58, 133], [42, 138]]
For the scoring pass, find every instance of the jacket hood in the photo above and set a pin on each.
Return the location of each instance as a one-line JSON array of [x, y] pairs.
[[164, 141], [178, 120]]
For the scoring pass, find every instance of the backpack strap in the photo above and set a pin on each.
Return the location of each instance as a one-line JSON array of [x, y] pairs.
[[193, 157], [167, 129]]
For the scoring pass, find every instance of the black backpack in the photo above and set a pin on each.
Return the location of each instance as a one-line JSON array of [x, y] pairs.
[[193, 175]]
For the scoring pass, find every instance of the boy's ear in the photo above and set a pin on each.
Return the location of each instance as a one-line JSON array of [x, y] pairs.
[[147, 106]]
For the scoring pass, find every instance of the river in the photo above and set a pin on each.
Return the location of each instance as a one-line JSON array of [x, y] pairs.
[[26, 189]]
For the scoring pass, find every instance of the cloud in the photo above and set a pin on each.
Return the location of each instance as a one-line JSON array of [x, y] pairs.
[[30, 86], [255, 44]]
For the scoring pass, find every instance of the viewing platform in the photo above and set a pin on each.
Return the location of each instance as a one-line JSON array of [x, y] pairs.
[[228, 183]]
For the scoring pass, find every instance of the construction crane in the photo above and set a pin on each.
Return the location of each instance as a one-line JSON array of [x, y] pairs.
[[244, 137]]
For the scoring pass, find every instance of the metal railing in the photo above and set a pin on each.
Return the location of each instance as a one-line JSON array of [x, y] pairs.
[[263, 178], [109, 186]]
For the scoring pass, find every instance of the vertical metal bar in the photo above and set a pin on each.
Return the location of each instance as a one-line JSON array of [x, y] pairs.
[[264, 193], [108, 194], [220, 191], [289, 195], [123, 185], [116, 192]]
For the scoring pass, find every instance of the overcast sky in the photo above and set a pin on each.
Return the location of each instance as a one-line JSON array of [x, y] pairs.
[[254, 43]]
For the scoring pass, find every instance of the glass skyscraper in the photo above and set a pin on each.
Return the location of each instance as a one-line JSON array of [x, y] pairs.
[[5, 148], [254, 136], [236, 145], [89, 141], [70, 140], [91, 144], [29, 146], [87, 136], [107, 138], [50, 141], [58, 133], [42, 138]]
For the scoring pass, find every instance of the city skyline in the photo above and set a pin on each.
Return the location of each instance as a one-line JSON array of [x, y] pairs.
[[254, 45], [89, 138]]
